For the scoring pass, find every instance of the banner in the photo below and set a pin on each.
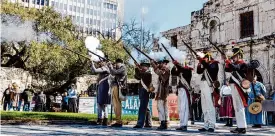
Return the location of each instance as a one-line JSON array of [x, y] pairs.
[[129, 107], [172, 105]]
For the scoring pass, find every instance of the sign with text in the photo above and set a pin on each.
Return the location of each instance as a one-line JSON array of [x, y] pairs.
[[86, 105], [172, 106]]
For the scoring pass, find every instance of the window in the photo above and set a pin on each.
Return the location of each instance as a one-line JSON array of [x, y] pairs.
[[213, 31], [82, 20], [71, 7], [56, 4], [65, 6], [88, 11], [91, 12], [52, 3], [78, 9], [78, 19], [115, 7], [82, 10], [174, 41], [61, 6], [111, 6], [74, 9], [247, 24], [87, 21], [91, 21], [83, 1]]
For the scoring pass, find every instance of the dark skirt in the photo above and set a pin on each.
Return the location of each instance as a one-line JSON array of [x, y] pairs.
[[226, 108], [103, 94]]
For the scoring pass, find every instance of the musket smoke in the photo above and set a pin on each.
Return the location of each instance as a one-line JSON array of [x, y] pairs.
[[93, 45]]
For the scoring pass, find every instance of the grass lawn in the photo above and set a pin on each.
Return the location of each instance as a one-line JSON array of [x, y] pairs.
[[35, 116]]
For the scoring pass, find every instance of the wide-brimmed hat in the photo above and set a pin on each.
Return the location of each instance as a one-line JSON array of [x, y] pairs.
[[145, 63], [255, 108]]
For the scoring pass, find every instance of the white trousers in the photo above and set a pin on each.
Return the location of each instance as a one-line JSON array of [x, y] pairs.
[[238, 107], [183, 107], [207, 105], [163, 112]]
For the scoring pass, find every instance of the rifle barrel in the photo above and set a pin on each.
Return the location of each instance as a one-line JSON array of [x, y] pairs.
[[219, 50], [130, 55], [76, 53], [189, 48], [143, 53], [168, 52], [98, 56]]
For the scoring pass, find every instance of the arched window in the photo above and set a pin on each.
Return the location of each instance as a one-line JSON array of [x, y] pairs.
[[213, 30]]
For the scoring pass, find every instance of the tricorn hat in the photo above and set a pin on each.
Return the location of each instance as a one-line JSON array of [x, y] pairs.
[[255, 108], [163, 60]]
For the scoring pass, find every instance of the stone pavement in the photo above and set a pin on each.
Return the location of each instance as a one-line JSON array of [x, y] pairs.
[[79, 130]]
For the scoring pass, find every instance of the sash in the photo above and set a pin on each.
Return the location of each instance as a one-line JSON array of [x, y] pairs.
[[238, 82], [184, 82], [208, 78], [144, 86], [105, 78]]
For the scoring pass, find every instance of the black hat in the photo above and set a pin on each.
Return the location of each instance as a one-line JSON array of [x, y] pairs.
[[119, 61], [237, 51], [163, 60], [145, 63]]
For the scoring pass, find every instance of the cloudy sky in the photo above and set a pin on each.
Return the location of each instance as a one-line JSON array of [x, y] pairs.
[[161, 15]]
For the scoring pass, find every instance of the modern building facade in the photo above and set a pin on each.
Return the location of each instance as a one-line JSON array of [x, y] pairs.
[[90, 16]]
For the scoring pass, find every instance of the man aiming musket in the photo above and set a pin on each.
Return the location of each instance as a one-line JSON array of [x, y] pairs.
[[162, 70], [209, 68], [184, 74], [143, 73]]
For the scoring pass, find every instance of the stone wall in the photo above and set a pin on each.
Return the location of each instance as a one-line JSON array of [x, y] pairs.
[[225, 15], [11, 75]]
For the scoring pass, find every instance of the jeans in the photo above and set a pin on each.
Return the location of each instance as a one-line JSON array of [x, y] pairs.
[[7, 103], [144, 115], [26, 106]]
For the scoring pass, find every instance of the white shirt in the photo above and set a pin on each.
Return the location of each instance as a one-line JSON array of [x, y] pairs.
[[225, 90]]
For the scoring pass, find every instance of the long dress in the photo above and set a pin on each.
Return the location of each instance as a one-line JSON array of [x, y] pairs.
[[259, 118], [226, 108]]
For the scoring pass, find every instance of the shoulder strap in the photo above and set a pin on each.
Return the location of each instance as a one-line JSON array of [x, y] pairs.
[[184, 82]]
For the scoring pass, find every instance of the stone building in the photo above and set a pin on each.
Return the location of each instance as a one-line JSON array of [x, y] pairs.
[[227, 21]]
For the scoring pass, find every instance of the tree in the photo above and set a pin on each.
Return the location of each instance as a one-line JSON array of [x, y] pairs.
[[48, 60]]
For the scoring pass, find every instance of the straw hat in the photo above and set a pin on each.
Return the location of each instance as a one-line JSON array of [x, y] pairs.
[[255, 108]]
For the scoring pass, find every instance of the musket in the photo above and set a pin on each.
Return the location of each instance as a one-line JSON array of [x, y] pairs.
[[99, 56], [193, 51], [130, 55], [168, 52], [143, 53], [76, 52], [218, 49]]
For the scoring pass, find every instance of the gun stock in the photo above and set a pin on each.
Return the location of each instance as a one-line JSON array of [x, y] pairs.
[[99, 56]]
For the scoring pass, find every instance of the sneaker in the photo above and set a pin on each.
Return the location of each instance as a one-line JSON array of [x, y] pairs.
[[241, 131], [202, 130], [257, 126], [116, 125], [211, 130], [183, 128]]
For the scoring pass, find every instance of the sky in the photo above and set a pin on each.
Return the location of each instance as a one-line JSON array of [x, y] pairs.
[[161, 15]]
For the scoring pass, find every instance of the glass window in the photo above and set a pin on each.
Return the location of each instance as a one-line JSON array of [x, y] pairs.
[[98, 22], [91, 21], [87, 21], [83, 1], [115, 7], [65, 6], [94, 21], [87, 10], [79, 1], [56, 4], [74, 9], [111, 6], [82, 10], [78, 9], [75, 0], [52, 3], [78, 19], [91, 12], [82, 20], [71, 7], [61, 6]]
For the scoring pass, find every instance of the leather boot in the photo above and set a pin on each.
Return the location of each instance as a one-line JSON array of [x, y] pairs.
[[105, 122], [98, 122], [161, 127]]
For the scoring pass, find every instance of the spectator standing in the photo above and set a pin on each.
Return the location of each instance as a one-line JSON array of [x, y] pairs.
[[72, 103], [6, 99], [58, 100], [65, 102], [41, 102], [27, 97], [16, 97]]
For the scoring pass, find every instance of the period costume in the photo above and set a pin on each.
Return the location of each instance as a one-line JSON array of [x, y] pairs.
[[226, 107], [145, 77], [184, 74], [103, 93], [257, 90], [162, 91], [119, 84], [238, 70], [209, 68]]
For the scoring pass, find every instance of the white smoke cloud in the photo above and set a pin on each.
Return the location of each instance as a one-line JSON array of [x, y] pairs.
[[14, 29], [92, 44]]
